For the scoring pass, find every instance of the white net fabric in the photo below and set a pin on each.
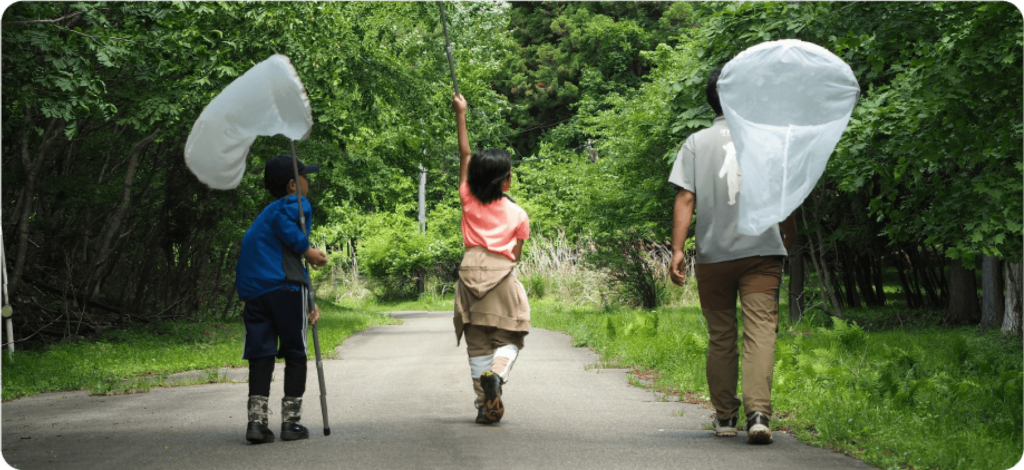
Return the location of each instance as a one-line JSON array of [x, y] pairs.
[[268, 99], [787, 104]]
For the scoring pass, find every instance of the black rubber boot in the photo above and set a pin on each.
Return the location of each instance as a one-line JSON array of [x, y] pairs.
[[293, 432], [291, 413], [257, 431]]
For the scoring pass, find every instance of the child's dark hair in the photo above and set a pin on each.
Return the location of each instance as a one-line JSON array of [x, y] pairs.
[[487, 170], [712, 91], [277, 186]]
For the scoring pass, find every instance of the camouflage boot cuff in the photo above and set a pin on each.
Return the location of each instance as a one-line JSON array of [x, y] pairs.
[[291, 409], [258, 408]]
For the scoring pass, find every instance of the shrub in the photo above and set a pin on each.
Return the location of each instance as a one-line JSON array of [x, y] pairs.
[[399, 257], [536, 286], [635, 267], [553, 267]]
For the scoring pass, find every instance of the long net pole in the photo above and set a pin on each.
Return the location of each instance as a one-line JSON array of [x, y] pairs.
[[448, 48], [308, 292]]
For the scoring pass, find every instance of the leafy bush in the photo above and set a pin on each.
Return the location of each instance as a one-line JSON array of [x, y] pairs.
[[397, 255], [536, 286], [632, 270], [554, 265]]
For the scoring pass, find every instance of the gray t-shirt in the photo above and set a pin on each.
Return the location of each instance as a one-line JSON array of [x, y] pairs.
[[696, 169]]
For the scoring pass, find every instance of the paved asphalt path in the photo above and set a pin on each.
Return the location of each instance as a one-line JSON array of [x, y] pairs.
[[399, 397]]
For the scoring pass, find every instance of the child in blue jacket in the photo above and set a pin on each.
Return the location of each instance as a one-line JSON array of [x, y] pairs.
[[271, 280]]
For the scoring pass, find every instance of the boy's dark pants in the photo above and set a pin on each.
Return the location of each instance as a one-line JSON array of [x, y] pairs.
[[268, 318], [756, 279]]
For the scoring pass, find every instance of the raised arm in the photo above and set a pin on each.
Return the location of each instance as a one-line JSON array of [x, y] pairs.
[[459, 106]]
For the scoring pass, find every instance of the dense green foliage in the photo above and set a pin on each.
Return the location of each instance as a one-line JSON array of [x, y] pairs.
[[103, 219], [918, 179], [592, 98], [920, 398], [568, 51]]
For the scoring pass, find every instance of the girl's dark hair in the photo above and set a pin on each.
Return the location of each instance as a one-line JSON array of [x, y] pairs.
[[712, 91], [487, 170]]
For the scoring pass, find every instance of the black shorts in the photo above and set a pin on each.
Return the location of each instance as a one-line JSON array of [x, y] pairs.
[[276, 315]]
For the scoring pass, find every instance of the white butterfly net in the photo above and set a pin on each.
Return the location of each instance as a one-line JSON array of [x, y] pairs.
[[268, 99], [787, 103]]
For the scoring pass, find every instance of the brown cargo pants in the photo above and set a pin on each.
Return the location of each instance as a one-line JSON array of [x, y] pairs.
[[757, 280], [481, 343]]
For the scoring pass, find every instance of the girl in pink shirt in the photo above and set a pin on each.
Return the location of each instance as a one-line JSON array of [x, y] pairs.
[[491, 308]]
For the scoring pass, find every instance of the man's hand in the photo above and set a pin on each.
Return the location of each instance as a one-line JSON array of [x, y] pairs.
[[315, 257], [678, 268], [314, 314], [459, 104]]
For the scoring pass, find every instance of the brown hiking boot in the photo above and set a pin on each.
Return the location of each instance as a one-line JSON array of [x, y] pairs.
[[493, 409]]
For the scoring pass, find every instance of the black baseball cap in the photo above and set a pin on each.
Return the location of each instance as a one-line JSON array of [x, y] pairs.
[[279, 171]]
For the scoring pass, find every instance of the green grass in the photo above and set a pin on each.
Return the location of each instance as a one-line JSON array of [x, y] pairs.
[[911, 396], [426, 302], [138, 358]]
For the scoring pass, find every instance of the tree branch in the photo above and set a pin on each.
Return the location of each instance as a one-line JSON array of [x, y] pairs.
[[97, 39], [58, 20]]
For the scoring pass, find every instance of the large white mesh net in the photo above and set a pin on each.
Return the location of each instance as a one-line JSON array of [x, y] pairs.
[[268, 99], [787, 104]]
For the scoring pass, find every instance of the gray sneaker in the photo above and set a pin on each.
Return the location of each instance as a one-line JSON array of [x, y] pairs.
[[725, 427], [758, 431]]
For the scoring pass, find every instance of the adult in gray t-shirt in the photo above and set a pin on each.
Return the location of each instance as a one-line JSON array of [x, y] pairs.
[[697, 168], [729, 264]]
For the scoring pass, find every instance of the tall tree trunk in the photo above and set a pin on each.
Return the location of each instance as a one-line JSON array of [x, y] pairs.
[[847, 268], [355, 260], [914, 299], [862, 271], [915, 279], [908, 291], [827, 281], [877, 270], [151, 244], [1012, 300], [28, 194], [103, 257], [991, 291], [797, 268], [963, 295], [923, 274], [943, 282], [824, 283]]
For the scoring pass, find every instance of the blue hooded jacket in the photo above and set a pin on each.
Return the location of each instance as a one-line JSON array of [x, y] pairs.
[[271, 256]]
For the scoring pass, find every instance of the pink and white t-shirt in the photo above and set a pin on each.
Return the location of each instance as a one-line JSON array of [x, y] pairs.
[[498, 226]]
